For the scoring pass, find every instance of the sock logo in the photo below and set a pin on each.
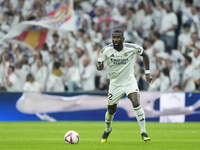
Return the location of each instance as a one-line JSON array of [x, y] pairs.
[[142, 119]]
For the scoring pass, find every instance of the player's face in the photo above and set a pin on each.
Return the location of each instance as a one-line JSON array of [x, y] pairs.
[[117, 39]]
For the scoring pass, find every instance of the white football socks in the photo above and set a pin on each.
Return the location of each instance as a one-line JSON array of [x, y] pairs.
[[140, 118], [108, 121]]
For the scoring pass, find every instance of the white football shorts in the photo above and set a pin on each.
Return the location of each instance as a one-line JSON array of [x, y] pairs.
[[115, 93]]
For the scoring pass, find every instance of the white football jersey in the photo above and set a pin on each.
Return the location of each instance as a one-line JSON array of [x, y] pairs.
[[120, 65]]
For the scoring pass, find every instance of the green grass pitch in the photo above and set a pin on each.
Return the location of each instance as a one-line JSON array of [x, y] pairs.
[[125, 136]]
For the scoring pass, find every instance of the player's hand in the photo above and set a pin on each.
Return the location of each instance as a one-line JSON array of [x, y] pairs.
[[148, 78], [100, 66]]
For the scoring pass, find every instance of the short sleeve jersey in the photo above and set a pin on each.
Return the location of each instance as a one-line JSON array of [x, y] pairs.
[[120, 65]]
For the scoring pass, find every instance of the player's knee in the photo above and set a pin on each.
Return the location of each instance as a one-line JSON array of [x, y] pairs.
[[135, 99], [136, 104], [111, 112], [112, 109]]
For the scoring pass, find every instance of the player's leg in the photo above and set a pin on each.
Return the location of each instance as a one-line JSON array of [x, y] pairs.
[[140, 115], [115, 94], [109, 117], [108, 121]]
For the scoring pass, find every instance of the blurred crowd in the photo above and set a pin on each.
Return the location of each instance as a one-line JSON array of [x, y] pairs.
[[169, 31]]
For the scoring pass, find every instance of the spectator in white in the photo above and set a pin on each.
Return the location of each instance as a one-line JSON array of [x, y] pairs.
[[186, 10], [63, 68], [99, 11], [176, 58], [45, 53], [195, 43], [130, 18], [34, 11], [152, 56], [165, 85], [195, 20], [95, 53], [147, 22], [73, 78], [127, 34], [87, 6], [189, 15], [155, 83], [184, 38], [160, 60], [21, 74], [195, 55], [6, 22], [39, 13], [12, 84], [95, 34], [157, 18], [31, 85], [5, 63], [18, 52], [80, 35], [188, 84], [41, 74], [87, 71], [168, 25], [140, 14], [33, 62], [158, 45], [25, 65], [174, 74], [121, 15], [86, 26], [81, 15], [20, 7], [79, 55], [53, 58], [57, 42], [55, 81]]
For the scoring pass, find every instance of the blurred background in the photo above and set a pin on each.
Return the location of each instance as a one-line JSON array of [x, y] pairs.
[[168, 30], [52, 46]]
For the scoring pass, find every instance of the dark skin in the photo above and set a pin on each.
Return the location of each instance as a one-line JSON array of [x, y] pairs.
[[118, 39]]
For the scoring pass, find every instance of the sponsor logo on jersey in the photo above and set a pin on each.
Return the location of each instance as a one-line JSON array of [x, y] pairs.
[[119, 61], [125, 54], [112, 55]]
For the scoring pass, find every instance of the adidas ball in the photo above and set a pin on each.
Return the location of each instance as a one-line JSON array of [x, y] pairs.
[[71, 137]]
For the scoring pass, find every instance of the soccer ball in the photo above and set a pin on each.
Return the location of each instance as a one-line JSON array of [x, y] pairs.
[[71, 137]]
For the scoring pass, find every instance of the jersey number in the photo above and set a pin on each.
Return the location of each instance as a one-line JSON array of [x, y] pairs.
[[110, 96]]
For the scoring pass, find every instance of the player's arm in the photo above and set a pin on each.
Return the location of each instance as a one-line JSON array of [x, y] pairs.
[[101, 59], [146, 63]]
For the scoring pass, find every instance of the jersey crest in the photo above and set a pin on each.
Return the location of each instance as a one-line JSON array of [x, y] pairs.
[[125, 54]]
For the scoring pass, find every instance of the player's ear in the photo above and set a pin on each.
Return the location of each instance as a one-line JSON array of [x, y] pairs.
[[123, 39]]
